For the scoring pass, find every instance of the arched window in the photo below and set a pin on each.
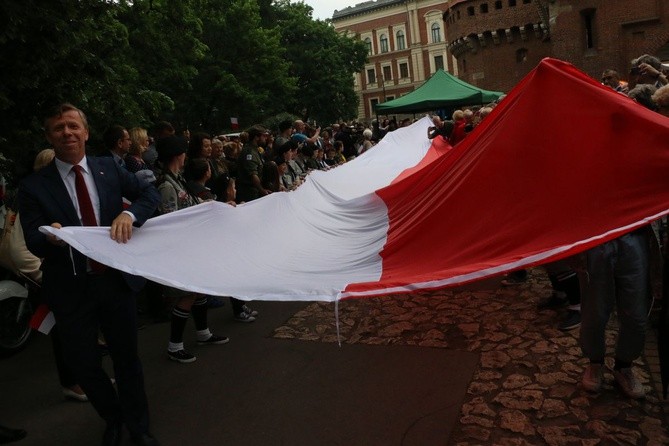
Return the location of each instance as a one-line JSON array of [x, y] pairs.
[[399, 40], [383, 40], [368, 42], [436, 33]]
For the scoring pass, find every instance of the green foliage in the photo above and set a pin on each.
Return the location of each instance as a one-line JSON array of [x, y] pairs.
[[244, 74], [194, 62], [323, 61]]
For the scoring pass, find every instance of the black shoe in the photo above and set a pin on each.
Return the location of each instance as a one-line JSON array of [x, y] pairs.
[[214, 340], [571, 320], [8, 435], [113, 434], [145, 440], [556, 300], [181, 356]]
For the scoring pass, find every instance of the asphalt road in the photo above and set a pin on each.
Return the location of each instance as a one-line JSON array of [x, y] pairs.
[[257, 390]]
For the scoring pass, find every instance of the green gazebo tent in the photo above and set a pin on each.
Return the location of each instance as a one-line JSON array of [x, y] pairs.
[[441, 90]]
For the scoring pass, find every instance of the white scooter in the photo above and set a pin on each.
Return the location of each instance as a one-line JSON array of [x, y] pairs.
[[16, 308], [15, 313]]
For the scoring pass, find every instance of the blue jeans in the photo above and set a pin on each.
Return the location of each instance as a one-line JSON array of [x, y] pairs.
[[618, 274]]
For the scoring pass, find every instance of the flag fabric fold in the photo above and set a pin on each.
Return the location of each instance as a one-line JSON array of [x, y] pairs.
[[562, 164]]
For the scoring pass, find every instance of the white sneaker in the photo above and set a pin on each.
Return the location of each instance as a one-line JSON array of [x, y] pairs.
[[244, 317], [628, 383], [592, 378], [249, 311]]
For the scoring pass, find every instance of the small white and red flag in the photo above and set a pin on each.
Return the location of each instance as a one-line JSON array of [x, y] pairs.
[[43, 319]]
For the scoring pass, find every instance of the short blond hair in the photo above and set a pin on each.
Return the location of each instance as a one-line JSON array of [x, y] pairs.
[[59, 110], [43, 159]]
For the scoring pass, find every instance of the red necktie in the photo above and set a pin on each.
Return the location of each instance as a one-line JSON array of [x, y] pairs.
[[84, 199], [86, 209]]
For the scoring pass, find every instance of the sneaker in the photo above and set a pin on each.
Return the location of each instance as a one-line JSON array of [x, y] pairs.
[[75, 393], [246, 309], [181, 356], [244, 317], [592, 377], [628, 383], [556, 300], [571, 320], [214, 340]]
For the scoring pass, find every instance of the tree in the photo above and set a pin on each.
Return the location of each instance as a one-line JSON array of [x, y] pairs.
[[194, 62], [80, 51], [323, 61], [165, 47], [244, 74]]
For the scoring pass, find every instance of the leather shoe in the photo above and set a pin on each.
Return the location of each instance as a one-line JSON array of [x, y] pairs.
[[113, 434], [75, 393], [145, 440], [8, 435]]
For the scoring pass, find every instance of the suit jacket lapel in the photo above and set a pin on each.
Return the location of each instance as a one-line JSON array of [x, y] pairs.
[[61, 196], [100, 181]]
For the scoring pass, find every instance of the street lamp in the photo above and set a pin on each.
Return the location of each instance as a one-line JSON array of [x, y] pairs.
[[383, 86]]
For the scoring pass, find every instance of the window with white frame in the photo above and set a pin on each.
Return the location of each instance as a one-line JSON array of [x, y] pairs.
[[436, 32], [400, 43], [387, 73], [383, 41], [371, 76], [404, 70], [438, 63], [368, 42]]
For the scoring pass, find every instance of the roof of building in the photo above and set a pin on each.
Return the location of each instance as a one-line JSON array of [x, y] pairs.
[[361, 8]]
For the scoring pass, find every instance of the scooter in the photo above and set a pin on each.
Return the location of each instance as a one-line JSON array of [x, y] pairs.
[[16, 307], [15, 313]]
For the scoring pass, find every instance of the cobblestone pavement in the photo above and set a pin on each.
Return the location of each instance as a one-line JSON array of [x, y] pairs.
[[526, 389]]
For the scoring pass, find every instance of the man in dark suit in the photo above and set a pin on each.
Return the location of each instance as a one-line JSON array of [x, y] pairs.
[[84, 295], [117, 143]]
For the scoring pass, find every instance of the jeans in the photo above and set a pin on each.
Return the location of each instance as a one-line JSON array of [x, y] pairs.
[[617, 275]]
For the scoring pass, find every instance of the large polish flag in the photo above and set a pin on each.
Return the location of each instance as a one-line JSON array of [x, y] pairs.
[[561, 165]]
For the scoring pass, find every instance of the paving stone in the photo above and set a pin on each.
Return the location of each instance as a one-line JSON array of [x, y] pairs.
[[479, 421], [516, 421], [552, 408], [516, 381], [526, 390], [521, 399], [494, 360], [613, 433]]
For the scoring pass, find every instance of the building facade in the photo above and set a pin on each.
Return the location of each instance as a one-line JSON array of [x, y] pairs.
[[406, 42], [497, 42], [493, 44]]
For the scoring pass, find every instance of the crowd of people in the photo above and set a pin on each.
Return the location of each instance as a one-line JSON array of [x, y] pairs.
[[616, 274], [157, 172]]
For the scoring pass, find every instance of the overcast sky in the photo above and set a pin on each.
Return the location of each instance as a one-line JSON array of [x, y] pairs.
[[323, 9]]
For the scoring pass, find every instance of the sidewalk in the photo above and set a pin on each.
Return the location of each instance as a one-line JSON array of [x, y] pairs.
[[472, 366], [526, 388]]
